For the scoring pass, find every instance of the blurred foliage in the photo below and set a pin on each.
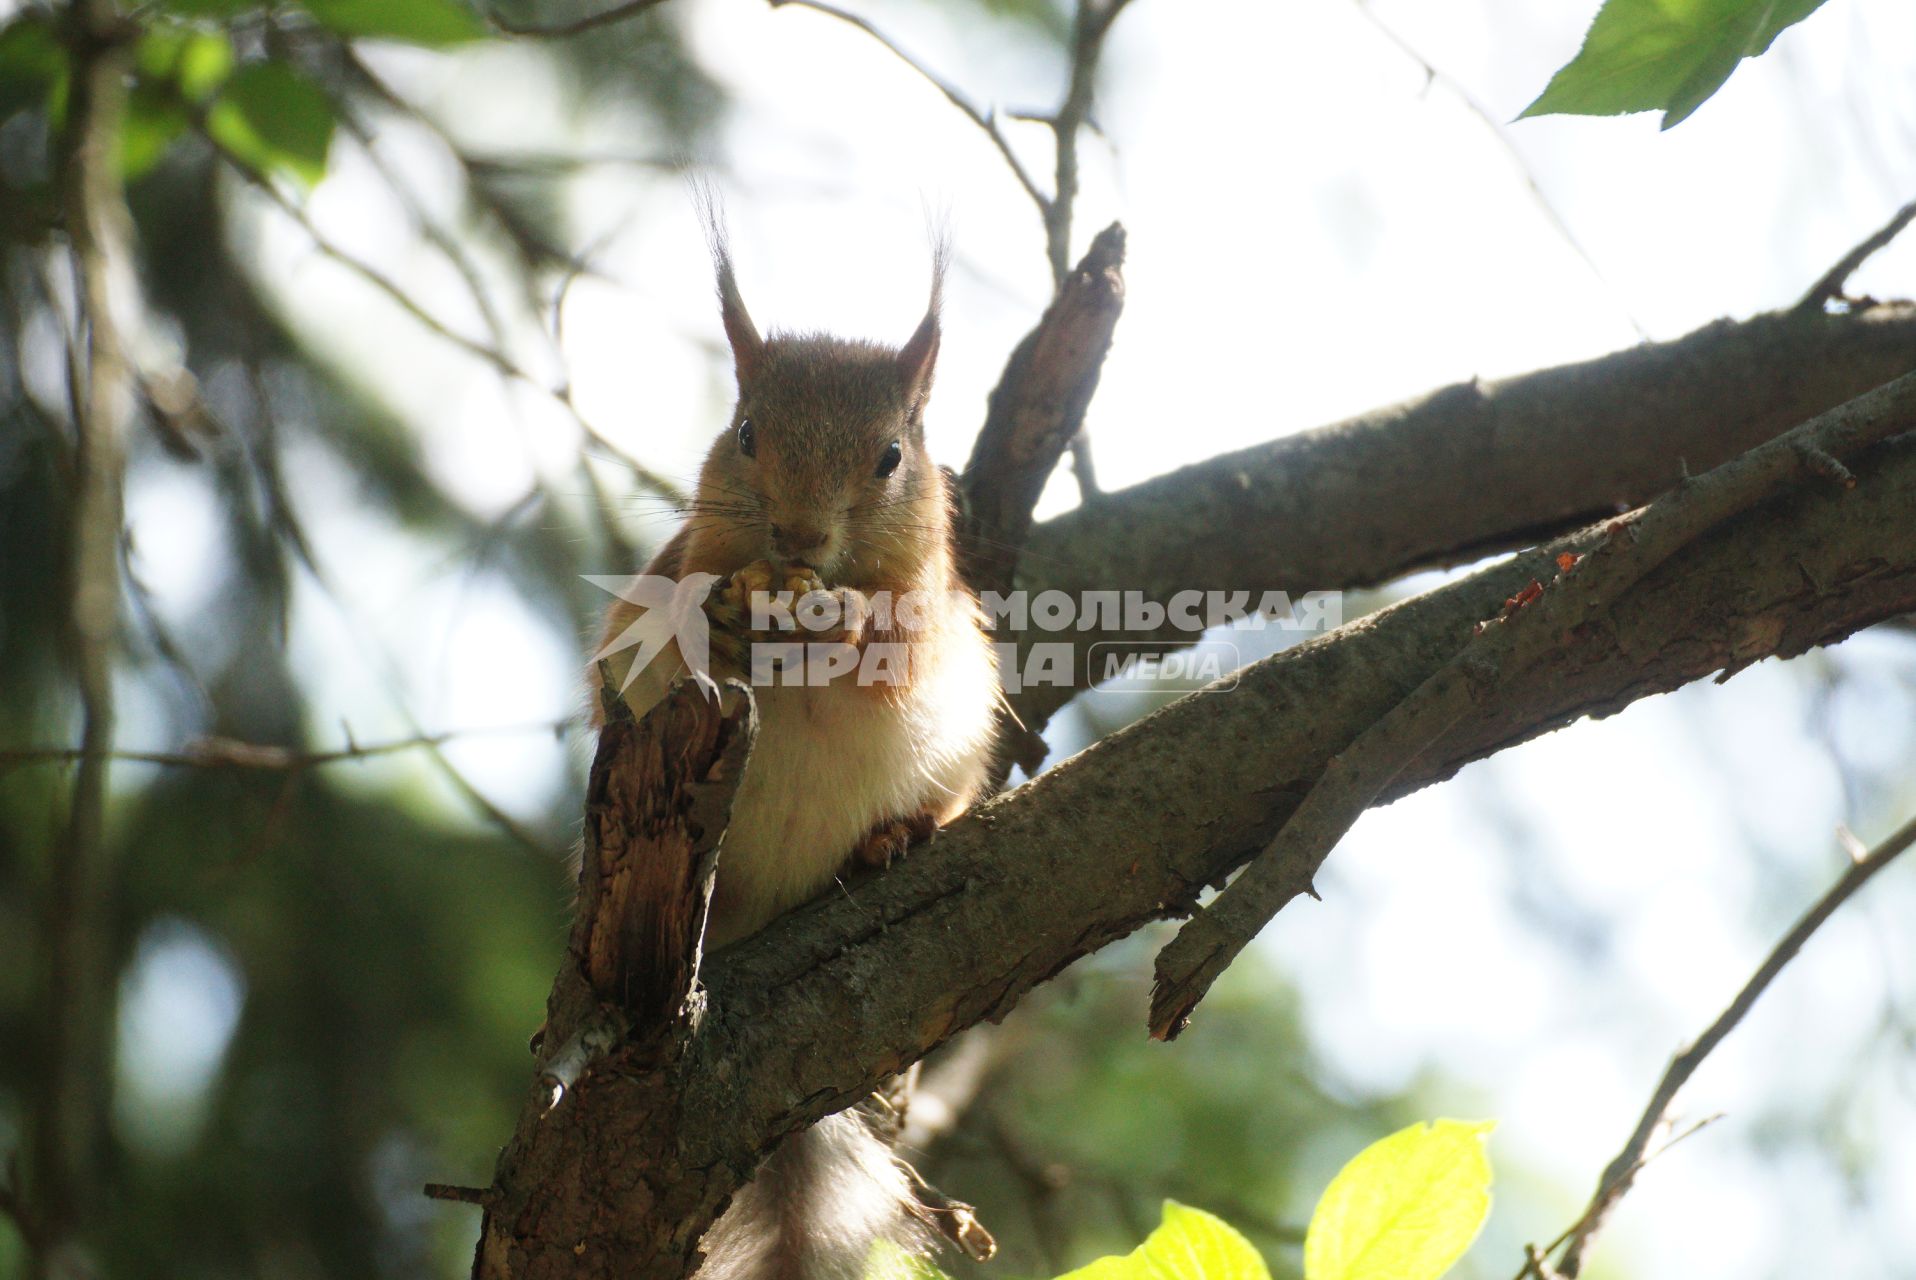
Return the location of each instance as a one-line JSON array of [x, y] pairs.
[[1080, 1126], [1664, 55], [358, 956]]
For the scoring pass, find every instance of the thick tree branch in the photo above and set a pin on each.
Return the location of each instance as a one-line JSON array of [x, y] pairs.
[[1533, 623], [624, 1008], [1036, 409], [808, 1016], [1369, 499]]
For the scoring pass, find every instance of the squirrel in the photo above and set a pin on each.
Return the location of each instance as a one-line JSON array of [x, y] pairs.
[[821, 493]]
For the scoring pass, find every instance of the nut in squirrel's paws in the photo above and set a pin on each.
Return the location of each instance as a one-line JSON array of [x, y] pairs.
[[891, 839]]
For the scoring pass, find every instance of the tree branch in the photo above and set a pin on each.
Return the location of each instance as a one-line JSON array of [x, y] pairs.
[[1036, 409], [68, 1135], [578, 26], [1533, 622], [1366, 500], [233, 753], [1830, 287], [625, 1007], [985, 120]]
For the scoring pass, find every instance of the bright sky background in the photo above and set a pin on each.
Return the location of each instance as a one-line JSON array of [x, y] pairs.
[[1315, 230]]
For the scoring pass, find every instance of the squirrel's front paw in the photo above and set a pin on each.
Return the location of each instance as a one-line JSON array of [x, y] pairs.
[[728, 610], [826, 615]]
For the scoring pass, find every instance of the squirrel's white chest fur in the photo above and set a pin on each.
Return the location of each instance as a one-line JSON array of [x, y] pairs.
[[833, 761]]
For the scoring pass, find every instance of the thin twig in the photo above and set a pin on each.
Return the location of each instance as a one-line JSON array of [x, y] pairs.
[[232, 753], [1830, 287], [1537, 1261], [1492, 122], [986, 120], [578, 26], [491, 355], [1532, 625], [1088, 30], [1622, 1171]]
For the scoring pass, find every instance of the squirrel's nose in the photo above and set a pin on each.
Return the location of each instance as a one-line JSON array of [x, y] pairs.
[[804, 543]]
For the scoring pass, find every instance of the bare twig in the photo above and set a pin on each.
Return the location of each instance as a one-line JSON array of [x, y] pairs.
[[1537, 1261], [232, 753], [984, 119], [1533, 622], [1830, 287], [578, 26], [1088, 30], [1622, 1171], [1492, 122], [491, 355]]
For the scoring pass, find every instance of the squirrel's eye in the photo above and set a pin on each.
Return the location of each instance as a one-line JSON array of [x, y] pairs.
[[747, 441], [888, 461]]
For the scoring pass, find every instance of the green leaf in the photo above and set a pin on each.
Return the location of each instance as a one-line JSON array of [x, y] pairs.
[[198, 62], [154, 119], [1190, 1244], [1405, 1208], [434, 23], [33, 64], [275, 119], [208, 8], [1664, 55]]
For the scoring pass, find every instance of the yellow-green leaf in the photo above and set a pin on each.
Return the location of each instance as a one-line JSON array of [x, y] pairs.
[[1405, 1208], [1189, 1244]]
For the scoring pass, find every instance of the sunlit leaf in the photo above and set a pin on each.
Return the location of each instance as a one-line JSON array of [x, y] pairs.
[[1405, 1208], [275, 119], [1190, 1244], [434, 23], [1664, 55]]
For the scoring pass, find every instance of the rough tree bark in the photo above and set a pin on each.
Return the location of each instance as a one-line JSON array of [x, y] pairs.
[[1463, 472]]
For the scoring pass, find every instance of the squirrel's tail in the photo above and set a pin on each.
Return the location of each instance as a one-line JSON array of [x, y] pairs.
[[815, 1209]]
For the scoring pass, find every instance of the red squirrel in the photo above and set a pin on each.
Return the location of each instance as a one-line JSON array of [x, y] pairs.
[[821, 486]]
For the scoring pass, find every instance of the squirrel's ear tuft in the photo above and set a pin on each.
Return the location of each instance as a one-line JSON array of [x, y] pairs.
[[747, 346], [920, 352]]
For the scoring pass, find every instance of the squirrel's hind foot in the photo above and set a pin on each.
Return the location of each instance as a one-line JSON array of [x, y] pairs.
[[890, 839]]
